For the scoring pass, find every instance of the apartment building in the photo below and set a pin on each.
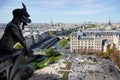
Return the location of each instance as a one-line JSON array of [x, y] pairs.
[[81, 42], [94, 40]]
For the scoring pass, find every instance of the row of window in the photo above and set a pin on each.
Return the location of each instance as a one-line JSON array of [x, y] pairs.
[[86, 41], [75, 44], [81, 47], [86, 50]]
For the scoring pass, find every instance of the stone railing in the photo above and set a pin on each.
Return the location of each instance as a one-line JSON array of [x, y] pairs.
[[11, 69]]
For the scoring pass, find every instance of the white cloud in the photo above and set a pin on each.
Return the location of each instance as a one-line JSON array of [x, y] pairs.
[[48, 3], [61, 7]]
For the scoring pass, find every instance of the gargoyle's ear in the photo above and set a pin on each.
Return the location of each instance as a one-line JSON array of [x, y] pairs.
[[24, 7]]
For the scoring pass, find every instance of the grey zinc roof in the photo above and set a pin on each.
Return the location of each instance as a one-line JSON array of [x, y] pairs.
[[74, 34], [117, 33]]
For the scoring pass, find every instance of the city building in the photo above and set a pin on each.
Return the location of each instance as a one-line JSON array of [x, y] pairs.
[[81, 42], [94, 40], [1, 32]]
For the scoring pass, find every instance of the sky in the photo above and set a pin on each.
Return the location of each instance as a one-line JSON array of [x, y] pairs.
[[63, 11]]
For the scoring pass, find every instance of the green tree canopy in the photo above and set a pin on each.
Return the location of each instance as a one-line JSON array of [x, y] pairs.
[[52, 32], [63, 42], [69, 36], [92, 25], [50, 52], [18, 46]]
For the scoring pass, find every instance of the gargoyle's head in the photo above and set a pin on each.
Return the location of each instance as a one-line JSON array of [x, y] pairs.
[[22, 14]]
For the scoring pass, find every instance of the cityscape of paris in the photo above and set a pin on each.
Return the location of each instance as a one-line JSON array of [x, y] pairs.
[[59, 40]]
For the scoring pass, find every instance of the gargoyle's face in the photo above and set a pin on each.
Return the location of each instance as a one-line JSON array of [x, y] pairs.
[[22, 14], [25, 17]]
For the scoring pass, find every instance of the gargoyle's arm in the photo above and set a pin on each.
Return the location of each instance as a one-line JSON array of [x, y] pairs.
[[18, 35], [16, 32]]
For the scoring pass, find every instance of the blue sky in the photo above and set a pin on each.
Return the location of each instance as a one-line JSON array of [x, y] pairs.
[[68, 11]]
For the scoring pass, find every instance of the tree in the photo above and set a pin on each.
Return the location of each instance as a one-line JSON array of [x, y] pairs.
[[92, 25], [18, 46], [98, 53], [50, 52], [110, 50], [69, 36], [105, 55], [52, 32], [115, 57], [63, 42], [52, 59]]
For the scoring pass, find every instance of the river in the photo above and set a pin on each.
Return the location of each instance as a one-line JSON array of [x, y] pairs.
[[56, 45]]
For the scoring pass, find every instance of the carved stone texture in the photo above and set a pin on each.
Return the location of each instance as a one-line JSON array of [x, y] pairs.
[[11, 36]]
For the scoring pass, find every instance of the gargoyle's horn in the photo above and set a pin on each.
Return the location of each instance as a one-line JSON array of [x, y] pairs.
[[24, 7]]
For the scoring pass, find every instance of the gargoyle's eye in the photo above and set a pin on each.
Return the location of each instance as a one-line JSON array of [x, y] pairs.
[[25, 13]]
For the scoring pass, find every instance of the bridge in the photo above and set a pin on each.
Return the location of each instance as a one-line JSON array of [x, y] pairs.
[[61, 37], [42, 51]]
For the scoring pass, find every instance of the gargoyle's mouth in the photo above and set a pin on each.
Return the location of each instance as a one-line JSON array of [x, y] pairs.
[[29, 20], [26, 19]]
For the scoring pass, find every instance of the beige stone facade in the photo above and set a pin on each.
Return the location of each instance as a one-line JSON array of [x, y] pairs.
[[90, 44], [80, 42]]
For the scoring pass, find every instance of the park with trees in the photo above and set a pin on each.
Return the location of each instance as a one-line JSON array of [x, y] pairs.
[[50, 57], [111, 53], [63, 42]]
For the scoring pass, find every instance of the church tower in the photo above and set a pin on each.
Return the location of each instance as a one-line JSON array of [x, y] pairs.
[[109, 23], [52, 22]]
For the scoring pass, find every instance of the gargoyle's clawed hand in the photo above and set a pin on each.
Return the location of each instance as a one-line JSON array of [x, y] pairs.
[[30, 52]]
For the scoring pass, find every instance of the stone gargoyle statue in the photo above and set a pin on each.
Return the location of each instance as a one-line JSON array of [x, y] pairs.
[[12, 35]]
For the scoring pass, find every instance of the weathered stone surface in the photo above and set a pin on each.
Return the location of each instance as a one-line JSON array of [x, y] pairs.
[[9, 56]]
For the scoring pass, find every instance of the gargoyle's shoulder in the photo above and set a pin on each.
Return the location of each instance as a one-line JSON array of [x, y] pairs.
[[11, 25]]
